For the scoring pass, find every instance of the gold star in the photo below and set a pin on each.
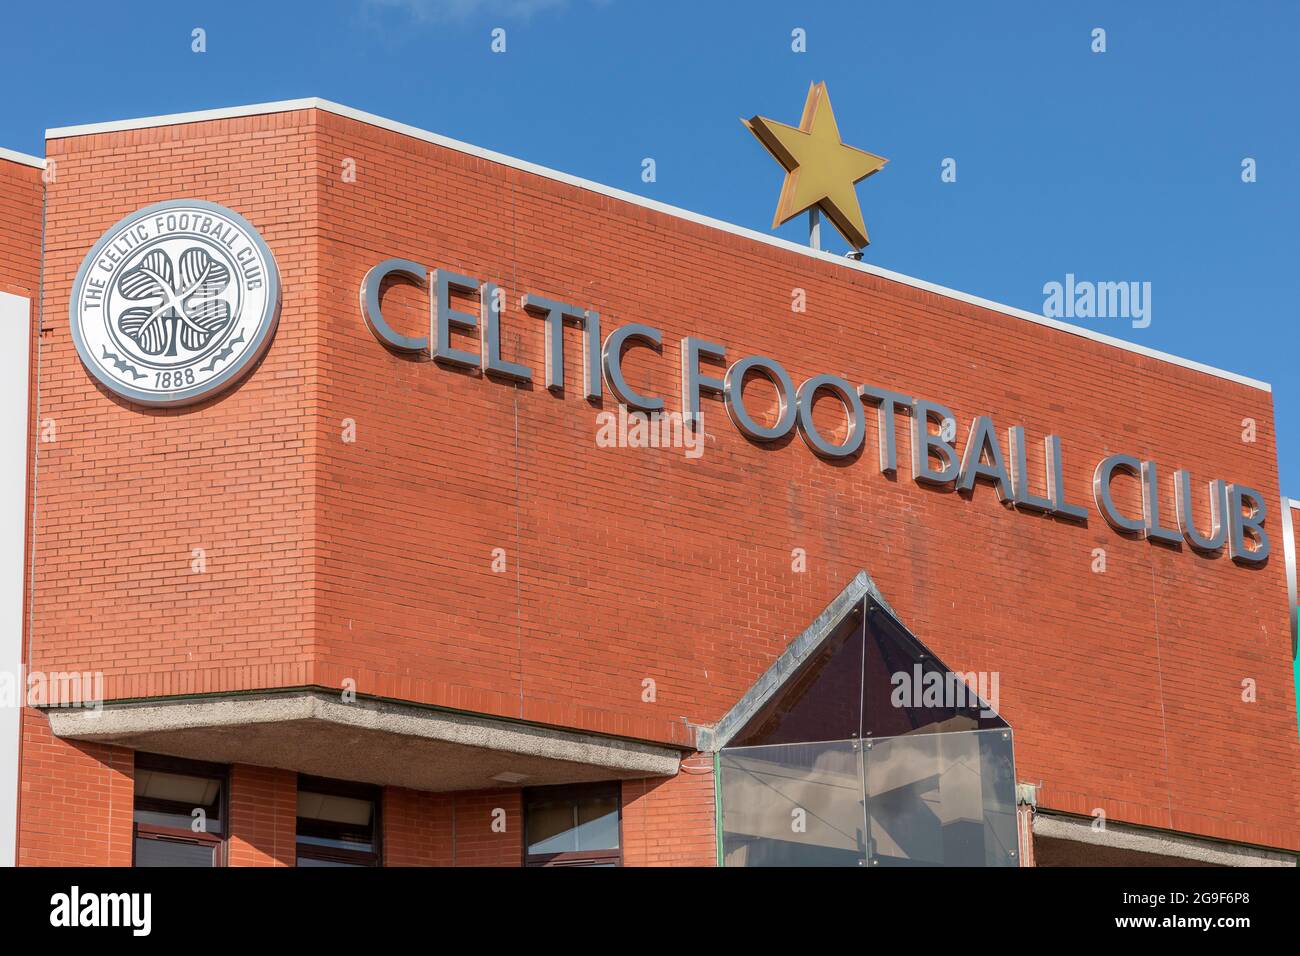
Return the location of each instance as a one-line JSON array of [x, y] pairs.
[[820, 170]]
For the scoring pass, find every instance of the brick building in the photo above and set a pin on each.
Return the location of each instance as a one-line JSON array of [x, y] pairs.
[[389, 598]]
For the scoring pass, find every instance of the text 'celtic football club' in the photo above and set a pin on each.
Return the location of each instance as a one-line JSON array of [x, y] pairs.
[[129, 240], [1236, 513]]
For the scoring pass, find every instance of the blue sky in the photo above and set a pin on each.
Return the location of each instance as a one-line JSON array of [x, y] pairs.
[[1118, 166]]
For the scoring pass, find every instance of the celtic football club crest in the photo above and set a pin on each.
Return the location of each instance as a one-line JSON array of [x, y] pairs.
[[175, 302]]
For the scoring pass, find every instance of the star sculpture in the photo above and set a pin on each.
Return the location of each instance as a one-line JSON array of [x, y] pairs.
[[820, 171]]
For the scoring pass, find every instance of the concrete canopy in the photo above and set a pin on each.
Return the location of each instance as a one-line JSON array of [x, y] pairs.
[[370, 741]]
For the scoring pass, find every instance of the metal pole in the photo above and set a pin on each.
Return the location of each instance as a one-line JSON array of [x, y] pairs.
[[815, 227]]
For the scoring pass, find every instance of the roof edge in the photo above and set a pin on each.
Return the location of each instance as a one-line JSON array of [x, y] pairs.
[[371, 119], [24, 158]]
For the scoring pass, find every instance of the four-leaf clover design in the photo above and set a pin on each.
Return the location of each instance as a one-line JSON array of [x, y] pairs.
[[181, 306]]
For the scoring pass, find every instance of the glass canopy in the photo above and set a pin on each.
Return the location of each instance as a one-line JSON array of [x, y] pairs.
[[871, 753]]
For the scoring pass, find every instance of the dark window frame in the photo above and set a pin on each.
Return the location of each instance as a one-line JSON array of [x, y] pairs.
[[579, 857], [329, 854], [152, 831]]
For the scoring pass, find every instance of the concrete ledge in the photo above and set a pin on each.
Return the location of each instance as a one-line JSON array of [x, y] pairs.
[[1119, 836], [370, 741]]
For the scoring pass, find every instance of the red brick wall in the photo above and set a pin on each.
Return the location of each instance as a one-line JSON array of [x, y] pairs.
[[125, 496], [371, 560], [628, 564], [20, 228], [452, 829], [670, 822], [477, 843], [75, 802], [418, 828], [263, 816]]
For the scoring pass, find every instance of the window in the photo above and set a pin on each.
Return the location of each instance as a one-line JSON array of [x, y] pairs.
[[573, 826], [179, 812], [338, 823]]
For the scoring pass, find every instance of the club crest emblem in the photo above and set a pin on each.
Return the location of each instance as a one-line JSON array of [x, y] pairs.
[[175, 303]]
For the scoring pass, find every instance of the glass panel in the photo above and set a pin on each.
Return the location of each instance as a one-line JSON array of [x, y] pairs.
[[177, 787], [877, 681], [166, 799], [331, 820], [793, 805], [569, 822], [169, 853], [336, 809], [551, 826], [908, 690], [822, 701], [946, 799], [935, 785], [597, 822]]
